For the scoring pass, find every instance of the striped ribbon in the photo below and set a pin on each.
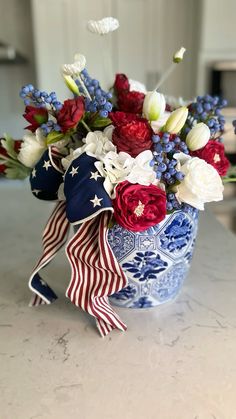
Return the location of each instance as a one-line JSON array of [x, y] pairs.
[[54, 237], [96, 274]]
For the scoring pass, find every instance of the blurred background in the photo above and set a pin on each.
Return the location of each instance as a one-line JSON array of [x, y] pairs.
[[37, 36]]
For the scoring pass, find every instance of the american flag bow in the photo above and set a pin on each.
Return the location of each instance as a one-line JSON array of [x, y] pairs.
[[95, 271]]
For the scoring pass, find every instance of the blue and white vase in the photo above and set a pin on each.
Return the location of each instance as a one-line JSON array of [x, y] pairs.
[[156, 261]]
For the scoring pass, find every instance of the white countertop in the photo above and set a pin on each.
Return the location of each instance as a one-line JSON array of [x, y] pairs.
[[176, 361]]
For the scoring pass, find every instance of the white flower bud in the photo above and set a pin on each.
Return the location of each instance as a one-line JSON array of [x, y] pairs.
[[176, 120], [179, 55], [198, 136], [154, 105]]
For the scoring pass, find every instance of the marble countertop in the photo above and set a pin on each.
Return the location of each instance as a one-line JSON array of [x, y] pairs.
[[177, 361]]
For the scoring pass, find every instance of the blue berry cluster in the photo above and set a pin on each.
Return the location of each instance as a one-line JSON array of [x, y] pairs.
[[39, 99], [172, 202], [50, 126], [165, 146], [207, 109], [100, 100]]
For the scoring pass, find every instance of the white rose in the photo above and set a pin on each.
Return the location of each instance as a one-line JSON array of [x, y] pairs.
[[201, 183], [32, 148]]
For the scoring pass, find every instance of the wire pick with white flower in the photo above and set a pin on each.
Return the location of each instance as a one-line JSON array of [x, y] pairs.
[[71, 71], [177, 58], [104, 27]]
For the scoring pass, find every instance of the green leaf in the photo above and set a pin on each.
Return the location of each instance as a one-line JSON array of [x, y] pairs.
[[8, 144], [55, 136], [16, 171], [100, 122]]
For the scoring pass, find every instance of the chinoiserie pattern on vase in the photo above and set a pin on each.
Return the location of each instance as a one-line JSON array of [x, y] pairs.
[[156, 261]]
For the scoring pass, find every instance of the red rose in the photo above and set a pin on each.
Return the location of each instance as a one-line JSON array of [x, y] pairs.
[[120, 118], [71, 113], [214, 154], [133, 137], [121, 83], [131, 102], [138, 207], [36, 117]]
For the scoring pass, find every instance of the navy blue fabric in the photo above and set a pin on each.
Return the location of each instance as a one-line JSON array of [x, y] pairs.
[[45, 179], [80, 189]]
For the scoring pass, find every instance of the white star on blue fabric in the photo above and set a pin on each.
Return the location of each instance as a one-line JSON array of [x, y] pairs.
[[94, 175], [36, 191], [33, 172], [74, 171], [42, 282], [96, 201], [47, 164]]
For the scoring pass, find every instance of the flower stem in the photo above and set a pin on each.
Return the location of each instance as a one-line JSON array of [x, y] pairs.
[[165, 76], [84, 87], [229, 180], [85, 126]]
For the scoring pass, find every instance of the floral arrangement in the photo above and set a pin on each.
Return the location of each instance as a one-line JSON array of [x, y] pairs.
[[127, 150], [153, 158]]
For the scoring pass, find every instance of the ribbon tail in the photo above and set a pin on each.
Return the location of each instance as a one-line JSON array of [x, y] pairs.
[[54, 236], [96, 273]]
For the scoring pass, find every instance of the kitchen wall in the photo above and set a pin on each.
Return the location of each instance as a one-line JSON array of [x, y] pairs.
[[150, 32], [15, 30]]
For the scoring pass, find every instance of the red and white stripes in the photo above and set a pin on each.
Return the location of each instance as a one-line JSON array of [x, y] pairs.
[[96, 274], [54, 236]]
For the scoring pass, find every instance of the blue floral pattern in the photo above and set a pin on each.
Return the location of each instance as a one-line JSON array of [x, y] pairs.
[[177, 234], [142, 302], [156, 261], [145, 265]]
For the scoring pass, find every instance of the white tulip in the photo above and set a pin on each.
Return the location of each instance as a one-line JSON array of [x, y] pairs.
[[32, 148], [198, 136], [157, 125], [154, 105], [103, 26], [176, 120], [201, 182]]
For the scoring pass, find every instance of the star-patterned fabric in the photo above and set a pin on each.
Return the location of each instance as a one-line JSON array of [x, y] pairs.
[[84, 191], [45, 179]]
